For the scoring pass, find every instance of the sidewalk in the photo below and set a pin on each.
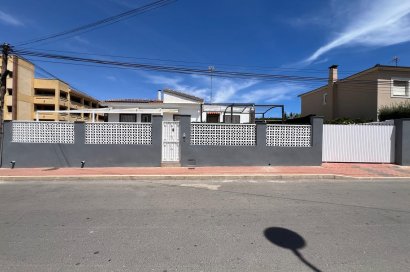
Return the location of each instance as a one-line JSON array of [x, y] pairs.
[[326, 171]]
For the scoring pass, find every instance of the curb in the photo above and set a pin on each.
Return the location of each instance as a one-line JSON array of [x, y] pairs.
[[194, 177]]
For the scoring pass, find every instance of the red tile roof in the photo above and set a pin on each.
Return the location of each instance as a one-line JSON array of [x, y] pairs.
[[133, 100]]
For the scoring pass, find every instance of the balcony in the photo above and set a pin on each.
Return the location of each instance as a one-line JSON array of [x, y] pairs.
[[76, 104], [64, 117], [44, 99], [8, 100], [47, 115], [64, 102], [75, 117]]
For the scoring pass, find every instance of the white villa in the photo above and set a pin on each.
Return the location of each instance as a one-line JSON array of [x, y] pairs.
[[170, 103]]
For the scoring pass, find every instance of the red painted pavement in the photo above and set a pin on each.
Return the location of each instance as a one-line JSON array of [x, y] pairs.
[[346, 169]]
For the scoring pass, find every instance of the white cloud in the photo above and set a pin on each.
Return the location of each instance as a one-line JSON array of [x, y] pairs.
[[176, 83], [374, 23], [9, 19], [81, 40], [111, 78], [126, 3], [273, 93], [228, 90]]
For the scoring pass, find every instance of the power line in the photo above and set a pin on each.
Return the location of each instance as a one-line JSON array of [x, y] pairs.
[[104, 22], [266, 68], [197, 71], [364, 88], [175, 69]]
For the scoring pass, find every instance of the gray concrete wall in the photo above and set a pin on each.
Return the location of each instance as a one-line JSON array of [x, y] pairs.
[[94, 155], [402, 152], [206, 155]]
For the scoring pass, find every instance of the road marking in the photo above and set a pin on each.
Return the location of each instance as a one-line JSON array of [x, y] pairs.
[[200, 185]]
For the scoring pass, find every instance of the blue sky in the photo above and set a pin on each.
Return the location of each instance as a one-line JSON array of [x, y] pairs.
[[279, 37]]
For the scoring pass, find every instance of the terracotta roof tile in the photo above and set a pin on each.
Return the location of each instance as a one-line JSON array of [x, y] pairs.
[[132, 100]]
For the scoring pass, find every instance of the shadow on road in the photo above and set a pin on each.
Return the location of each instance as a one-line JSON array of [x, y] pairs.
[[288, 239]]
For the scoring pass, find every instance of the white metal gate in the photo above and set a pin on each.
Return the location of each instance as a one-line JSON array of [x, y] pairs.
[[358, 143], [170, 141]]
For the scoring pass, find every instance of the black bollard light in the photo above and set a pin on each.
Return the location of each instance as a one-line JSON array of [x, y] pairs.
[[12, 164], [82, 164]]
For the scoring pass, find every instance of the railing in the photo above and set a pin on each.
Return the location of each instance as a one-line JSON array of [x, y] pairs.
[[223, 134], [44, 99], [118, 133], [43, 132], [289, 135]]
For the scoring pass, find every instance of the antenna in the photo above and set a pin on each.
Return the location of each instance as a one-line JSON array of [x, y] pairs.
[[211, 69], [396, 60]]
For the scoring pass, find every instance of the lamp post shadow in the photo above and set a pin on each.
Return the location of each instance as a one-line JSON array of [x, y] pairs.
[[288, 239]]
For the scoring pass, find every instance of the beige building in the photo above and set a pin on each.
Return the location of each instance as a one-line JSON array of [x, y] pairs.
[[359, 96], [26, 95]]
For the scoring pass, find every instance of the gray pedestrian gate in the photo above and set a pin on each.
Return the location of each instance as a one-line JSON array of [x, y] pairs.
[[170, 141]]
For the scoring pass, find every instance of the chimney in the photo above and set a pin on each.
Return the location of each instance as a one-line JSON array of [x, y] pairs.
[[159, 95], [332, 74]]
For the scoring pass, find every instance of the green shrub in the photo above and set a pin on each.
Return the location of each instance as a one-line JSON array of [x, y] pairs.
[[347, 121], [396, 111]]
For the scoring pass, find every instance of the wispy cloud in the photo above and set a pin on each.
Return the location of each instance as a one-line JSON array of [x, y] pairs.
[[81, 40], [111, 78], [9, 19], [374, 23], [229, 90], [126, 3], [176, 83], [273, 93]]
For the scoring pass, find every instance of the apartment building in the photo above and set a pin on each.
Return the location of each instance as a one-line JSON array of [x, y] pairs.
[[26, 95]]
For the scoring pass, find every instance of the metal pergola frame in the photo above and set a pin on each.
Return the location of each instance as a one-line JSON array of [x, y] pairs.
[[245, 106]]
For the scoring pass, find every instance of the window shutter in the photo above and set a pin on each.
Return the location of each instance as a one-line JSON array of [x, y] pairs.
[[400, 88]]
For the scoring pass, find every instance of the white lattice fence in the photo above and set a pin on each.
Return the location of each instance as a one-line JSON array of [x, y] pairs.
[[223, 135], [288, 135], [43, 132], [118, 133]]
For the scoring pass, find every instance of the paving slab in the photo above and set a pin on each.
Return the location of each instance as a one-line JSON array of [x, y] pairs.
[[325, 171]]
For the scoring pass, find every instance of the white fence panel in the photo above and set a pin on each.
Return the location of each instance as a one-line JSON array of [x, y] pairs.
[[118, 133], [223, 134], [43, 132], [289, 135], [358, 143]]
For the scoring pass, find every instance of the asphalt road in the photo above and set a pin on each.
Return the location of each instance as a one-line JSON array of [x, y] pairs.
[[205, 226]]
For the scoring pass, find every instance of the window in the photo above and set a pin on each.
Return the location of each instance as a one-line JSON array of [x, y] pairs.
[[146, 118], [236, 119], [324, 98], [400, 88], [10, 91], [212, 118], [9, 108], [128, 118]]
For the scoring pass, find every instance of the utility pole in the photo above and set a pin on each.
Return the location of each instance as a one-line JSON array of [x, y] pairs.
[[3, 83], [396, 60], [211, 69], [3, 89]]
